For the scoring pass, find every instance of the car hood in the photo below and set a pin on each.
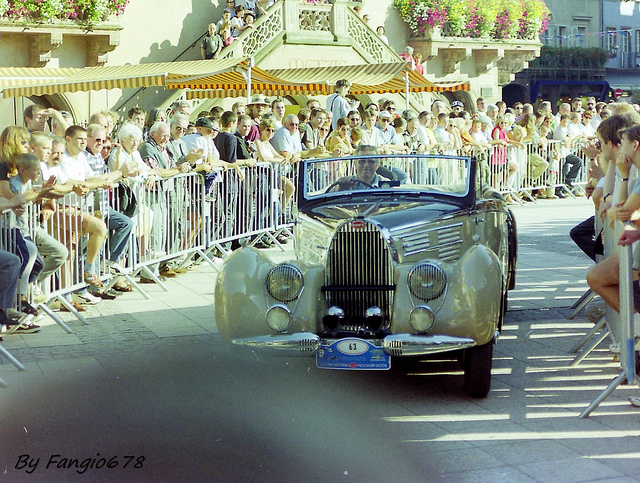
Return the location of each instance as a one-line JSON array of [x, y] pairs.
[[389, 214]]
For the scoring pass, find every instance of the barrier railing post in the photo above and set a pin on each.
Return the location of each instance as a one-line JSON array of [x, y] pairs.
[[627, 359], [611, 319]]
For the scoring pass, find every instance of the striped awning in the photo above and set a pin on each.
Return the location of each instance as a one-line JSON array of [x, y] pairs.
[[126, 76], [20, 76], [234, 84], [368, 79]]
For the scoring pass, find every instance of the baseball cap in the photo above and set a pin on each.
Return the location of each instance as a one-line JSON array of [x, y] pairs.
[[385, 114], [457, 104], [205, 122]]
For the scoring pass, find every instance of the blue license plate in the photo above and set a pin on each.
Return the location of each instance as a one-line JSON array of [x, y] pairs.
[[352, 354]]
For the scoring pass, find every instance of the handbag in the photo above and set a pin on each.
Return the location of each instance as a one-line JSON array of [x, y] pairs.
[[127, 200]]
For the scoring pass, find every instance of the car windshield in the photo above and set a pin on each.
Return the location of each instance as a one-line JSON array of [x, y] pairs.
[[381, 175]]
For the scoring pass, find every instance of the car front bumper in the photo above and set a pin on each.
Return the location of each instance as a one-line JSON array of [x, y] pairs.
[[307, 343]]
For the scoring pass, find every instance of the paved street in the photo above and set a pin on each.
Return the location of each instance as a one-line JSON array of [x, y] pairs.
[[149, 389]]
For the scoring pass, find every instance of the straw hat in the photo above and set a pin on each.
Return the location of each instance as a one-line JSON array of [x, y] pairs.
[[258, 99]]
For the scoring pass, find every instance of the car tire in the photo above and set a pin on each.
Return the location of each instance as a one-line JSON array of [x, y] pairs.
[[477, 370], [504, 306]]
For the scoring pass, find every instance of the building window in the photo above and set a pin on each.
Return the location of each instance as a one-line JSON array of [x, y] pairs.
[[581, 36], [611, 40], [562, 31], [624, 40]]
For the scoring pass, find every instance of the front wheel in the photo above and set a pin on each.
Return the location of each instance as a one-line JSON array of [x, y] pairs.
[[477, 369]]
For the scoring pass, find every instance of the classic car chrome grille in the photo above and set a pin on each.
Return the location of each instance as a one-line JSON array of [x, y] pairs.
[[359, 274], [445, 241]]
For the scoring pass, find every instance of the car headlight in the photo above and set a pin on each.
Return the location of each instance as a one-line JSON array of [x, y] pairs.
[[279, 318], [422, 319], [427, 280], [285, 282]]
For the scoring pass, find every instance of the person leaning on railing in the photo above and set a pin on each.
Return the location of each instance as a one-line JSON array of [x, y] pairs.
[[119, 224], [48, 250], [75, 167], [604, 277], [14, 142], [10, 266], [267, 153]]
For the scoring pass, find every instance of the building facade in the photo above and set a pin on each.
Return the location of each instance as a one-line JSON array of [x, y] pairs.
[[293, 34]]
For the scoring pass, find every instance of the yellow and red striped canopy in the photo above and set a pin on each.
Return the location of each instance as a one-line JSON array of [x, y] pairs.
[[368, 79], [219, 78]]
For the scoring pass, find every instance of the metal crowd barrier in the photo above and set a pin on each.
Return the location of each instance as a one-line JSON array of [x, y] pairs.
[[174, 219], [511, 170], [8, 243], [610, 323], [168, 217], [620, 325]]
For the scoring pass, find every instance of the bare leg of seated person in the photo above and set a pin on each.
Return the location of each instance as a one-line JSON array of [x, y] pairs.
[[97, 232], [605, 281]]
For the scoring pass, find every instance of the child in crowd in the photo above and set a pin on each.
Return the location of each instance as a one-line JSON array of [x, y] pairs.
[[45, 252]]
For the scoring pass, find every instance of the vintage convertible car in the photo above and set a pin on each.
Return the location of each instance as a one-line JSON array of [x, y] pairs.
[[381, 269]]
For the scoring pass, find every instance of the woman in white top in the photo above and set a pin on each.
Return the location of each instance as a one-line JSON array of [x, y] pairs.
[[267, 153], [126, 158]]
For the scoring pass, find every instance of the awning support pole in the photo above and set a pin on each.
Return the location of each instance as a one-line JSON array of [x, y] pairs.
[[251, 64], [406, 86]]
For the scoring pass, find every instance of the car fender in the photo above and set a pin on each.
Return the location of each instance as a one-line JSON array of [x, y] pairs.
[[474, 289], [240, 301]]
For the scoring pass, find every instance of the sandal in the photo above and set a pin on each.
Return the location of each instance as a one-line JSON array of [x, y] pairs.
[[27, 308], [76, 305], [93, 280], [123, 287]]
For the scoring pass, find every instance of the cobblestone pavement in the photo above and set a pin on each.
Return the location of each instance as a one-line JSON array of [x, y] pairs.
[[149, 386]]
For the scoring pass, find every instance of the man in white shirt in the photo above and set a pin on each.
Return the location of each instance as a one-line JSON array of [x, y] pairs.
[[288, 142], [203, 140], [75, 167], [440, 132], [391, 144]]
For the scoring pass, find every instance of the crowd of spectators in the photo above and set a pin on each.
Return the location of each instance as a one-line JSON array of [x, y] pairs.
[[48, 162]]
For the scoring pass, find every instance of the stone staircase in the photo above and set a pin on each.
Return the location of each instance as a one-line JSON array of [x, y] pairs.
[[290, 22]]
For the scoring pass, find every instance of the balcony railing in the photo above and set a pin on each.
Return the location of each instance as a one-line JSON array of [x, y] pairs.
[[625, 60], [293, 22], [569, 64]]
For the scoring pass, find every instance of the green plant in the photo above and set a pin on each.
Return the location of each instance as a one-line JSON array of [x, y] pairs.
[[481, 19], [86, 12], [593, 58], [498, 19], [457, 12], [508, 19]]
